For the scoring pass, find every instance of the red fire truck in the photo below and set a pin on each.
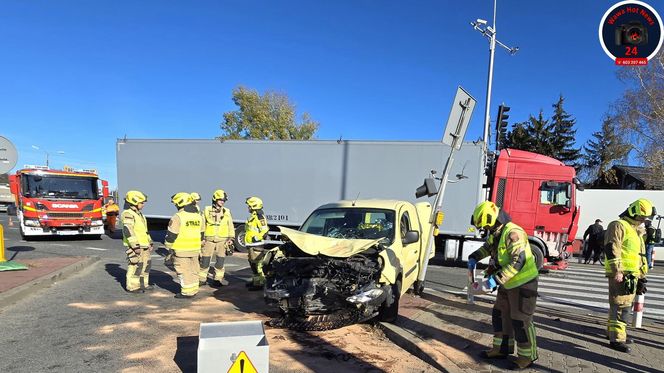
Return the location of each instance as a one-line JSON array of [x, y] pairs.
[[58, 202]]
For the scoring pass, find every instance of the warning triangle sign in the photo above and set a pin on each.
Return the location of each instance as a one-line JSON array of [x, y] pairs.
[[242, 364]]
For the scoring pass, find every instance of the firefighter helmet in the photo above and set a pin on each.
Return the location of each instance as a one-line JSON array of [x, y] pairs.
[[134, 197], [254, 203], [195, 196], [641, 207], [181, 199], [219, 194], [485, 215]]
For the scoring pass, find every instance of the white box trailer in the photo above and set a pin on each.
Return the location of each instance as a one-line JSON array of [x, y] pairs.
[[295, 177], [607, 204]]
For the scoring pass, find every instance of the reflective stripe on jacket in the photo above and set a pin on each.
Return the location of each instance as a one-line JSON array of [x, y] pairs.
[[510, 275]]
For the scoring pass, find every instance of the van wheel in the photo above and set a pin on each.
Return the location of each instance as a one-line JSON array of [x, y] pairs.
[[390, 312], [239, 239]]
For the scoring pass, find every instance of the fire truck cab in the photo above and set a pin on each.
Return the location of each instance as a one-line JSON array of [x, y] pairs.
[[58, 202]]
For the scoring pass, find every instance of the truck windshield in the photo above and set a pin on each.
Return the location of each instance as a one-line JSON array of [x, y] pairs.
[[554, 193], [351, 223], [59, 187]]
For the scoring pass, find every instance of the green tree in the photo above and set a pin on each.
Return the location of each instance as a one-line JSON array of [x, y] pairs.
[[563, 135], [270, 116], [518, 137], [601, 152], [533, 135]]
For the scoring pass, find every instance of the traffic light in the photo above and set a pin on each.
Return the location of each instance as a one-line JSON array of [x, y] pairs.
[[501, 125]]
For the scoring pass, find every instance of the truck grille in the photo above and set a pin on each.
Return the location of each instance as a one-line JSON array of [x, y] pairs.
[[65, 215]]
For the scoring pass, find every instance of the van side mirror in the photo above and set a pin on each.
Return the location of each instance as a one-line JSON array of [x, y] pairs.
[[658, 235], [427, 189], [411, 237]]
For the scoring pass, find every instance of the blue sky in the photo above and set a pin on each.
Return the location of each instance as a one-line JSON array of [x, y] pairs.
[[76, 75]]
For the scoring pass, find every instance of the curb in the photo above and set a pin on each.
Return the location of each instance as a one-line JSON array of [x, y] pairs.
[[410, 342], [12, 296]]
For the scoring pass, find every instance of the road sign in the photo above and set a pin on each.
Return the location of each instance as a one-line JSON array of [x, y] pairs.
[[8, 155], [242, 364], [457, 123]]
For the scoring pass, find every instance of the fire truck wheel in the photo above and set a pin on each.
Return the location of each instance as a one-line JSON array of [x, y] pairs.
[[538, 254], [239, 239]]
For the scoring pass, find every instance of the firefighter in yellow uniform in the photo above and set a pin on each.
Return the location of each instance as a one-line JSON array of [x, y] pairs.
[[137, 242], [219, 233], [515, 274], [255, 230], [184, 237], [625, 267], [197, 198]]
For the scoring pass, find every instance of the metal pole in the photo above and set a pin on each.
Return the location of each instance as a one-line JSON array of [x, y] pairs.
[[492, 49], [438, 203], [46, 158]]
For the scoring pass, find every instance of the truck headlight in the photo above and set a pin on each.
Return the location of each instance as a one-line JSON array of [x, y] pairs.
[[365, 296], [31, 223], [96, 223]]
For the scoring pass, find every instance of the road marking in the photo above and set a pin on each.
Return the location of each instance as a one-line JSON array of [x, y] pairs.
[[60, 244], [605, 296], [555, 302], [576, 270], [597, 285], [95, 248]]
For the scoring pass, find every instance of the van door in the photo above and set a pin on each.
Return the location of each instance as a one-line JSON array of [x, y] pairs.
[[410, 252]]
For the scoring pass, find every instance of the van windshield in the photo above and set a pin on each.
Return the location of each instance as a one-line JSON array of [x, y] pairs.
[[59, 187], [351, 223]]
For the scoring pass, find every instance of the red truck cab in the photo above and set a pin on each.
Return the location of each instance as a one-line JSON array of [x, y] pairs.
[[539, 193], [58, 202]]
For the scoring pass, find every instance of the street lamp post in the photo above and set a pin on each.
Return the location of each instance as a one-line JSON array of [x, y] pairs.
[[490, 33], [47, 153]]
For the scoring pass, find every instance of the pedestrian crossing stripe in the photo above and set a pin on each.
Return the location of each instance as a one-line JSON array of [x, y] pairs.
[[242, 364]]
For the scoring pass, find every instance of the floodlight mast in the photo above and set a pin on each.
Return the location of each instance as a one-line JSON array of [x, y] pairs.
[[490, 33]]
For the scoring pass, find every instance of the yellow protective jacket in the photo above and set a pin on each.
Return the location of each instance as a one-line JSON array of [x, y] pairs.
[[510, 249], [218, 224], [624, 249], [255, 228], [135, 229], [184, 233]]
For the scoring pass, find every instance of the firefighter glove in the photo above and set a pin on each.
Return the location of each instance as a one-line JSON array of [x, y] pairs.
[[641, 286], [230, 248], [472, 263]]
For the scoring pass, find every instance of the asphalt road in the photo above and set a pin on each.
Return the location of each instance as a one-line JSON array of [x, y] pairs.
[[54, 329]]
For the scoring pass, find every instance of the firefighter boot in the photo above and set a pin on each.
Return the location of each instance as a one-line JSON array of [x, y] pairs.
[[521, 362], [620, 346], [493, 353]]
